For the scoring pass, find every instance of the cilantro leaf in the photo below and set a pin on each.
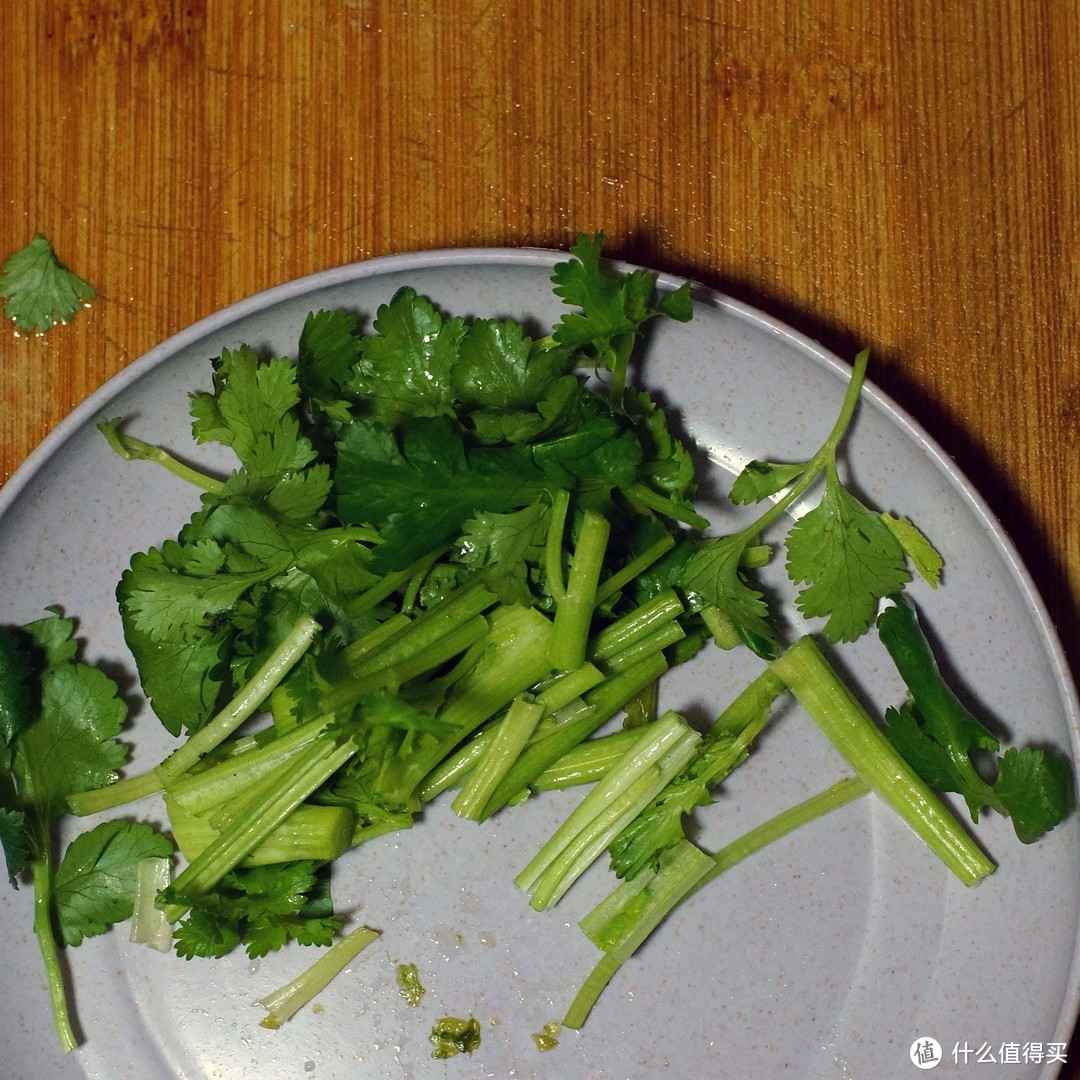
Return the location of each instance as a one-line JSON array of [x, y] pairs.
[[611, 303], [13, 838], [329, 350], [38, 291], [919, 550], [847, 557], [94, 885], [71, 746], [760, 479], [405, 368], [261, 908], [418, 492], [713, 573]]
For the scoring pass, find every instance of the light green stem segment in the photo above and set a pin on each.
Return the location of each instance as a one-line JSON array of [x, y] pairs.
[[243, 706], [621, 922], [291, 997], [664, 748], [834, 708], [41, 872], [280, 796]]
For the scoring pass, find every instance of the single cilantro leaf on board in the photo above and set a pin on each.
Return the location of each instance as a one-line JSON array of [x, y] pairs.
[[38, 291], [94, 885], [847, 558]]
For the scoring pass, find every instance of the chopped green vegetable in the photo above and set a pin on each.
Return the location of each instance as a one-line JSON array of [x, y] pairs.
[[287, 1000], [411, 989], [38, 291], [939, 736], [452, 1036]]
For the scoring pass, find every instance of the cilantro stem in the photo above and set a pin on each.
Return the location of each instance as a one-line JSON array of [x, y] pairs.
[[597, 706], [643, 494], [833, 707], [632, 627], [278, 797], [663, 749], [621, 922], [288, 999], [132, 449], [207, 738], [41, 872], [510, 737], [574, 609], [625, 574], [276, 666], [826, 453]]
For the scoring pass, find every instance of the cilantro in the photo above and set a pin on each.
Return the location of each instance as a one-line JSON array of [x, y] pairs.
[[38, 291], [953, 751], [420, 490], [94, 885], [452, 1036], [614, 307], [845, 556], [59, 719], [262, 908]]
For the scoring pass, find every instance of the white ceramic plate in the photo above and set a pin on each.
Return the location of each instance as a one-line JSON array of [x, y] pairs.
[[826, 956]]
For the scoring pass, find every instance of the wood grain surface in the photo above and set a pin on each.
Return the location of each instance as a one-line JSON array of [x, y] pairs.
[[904, 175]]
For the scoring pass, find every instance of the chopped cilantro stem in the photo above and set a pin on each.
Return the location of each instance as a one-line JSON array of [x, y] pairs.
[[132, 449], [621, 922], [637, 624], [574, 609], [203, 789], [510, 738], [596, 708], [292, 784], [243, 705], [638, 565], [644, 495], [553, 695], [834, 708], [311, 831], [664, 748], [295, 994], [149, 926], [587, 762]]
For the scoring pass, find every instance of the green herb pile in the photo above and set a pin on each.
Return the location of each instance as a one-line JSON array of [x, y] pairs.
[[454, 558]]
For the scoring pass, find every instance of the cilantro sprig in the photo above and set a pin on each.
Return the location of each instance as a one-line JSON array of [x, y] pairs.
[[843, 556], [953, 750], [59, 719]]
